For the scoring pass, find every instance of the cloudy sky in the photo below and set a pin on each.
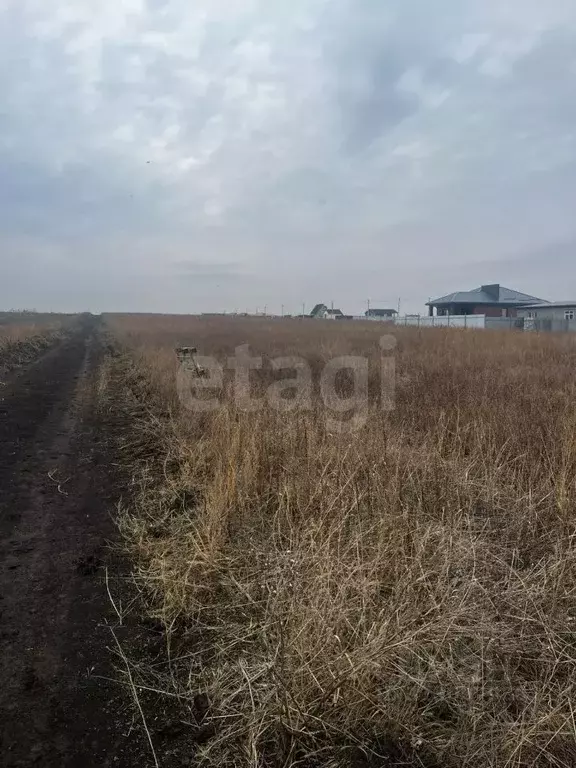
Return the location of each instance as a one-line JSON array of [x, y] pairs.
[[170, 155]]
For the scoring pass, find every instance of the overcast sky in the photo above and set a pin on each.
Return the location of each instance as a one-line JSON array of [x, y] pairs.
[[191, 155]]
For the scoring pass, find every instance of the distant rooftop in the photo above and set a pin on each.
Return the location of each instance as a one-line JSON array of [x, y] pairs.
[[379, 312], [488, 294], [557, 304]]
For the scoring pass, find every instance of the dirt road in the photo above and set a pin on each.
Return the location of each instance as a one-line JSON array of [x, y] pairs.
[[57, 493]]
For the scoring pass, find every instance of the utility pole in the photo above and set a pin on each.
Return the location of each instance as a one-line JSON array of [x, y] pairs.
[[368, 303], [399, 303], [303, 309], [282, 311]]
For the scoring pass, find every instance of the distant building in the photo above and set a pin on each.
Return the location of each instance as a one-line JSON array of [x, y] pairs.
[[549, 316], [319, 311], [381, 314], [490, 300], [555, 310], [322, 312]]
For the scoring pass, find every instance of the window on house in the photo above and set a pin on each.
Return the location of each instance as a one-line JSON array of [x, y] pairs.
[[532, 315], [569, 314]]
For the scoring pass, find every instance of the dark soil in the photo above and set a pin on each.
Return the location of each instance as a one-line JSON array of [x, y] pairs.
[[61, 703]]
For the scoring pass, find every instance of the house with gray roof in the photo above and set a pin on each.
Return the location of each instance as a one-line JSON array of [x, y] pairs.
[[549, 316], [557, 310], [490, 300]]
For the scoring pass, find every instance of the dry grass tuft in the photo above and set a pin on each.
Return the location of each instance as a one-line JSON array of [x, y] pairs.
[[402, 595], [24, 336], [16, 333]]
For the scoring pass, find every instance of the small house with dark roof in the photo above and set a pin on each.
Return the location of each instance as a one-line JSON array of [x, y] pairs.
[[490, 300], [381, 314], [319, 311], [322, 312]]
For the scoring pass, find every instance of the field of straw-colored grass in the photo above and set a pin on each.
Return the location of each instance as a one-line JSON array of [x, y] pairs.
[[404, 594], [16, 329], [17, 332]]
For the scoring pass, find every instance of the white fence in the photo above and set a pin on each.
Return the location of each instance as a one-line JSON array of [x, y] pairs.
[[443, 321], [486, 323], [557, 325]]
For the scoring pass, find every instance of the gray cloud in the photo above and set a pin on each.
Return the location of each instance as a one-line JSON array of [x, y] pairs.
[[274, 154], [210, 272]]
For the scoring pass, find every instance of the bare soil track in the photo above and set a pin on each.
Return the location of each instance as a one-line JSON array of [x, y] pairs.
[[57, 493]]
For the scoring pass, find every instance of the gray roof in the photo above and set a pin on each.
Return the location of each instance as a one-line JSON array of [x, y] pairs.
[[557, 304], [478, 296]]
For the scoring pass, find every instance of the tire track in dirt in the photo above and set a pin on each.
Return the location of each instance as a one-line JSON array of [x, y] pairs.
[[56, 495]]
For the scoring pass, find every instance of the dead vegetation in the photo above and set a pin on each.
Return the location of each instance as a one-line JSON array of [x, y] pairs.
[[18, 332], [399, 595], [24, 336]]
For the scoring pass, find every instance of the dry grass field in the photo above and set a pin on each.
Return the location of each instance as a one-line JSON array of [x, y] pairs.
[[401, 594], [17, 332], [27, 332]]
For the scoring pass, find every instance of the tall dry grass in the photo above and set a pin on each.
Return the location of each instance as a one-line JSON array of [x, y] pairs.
[[24, 335], [401, 595], [17, 332]]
